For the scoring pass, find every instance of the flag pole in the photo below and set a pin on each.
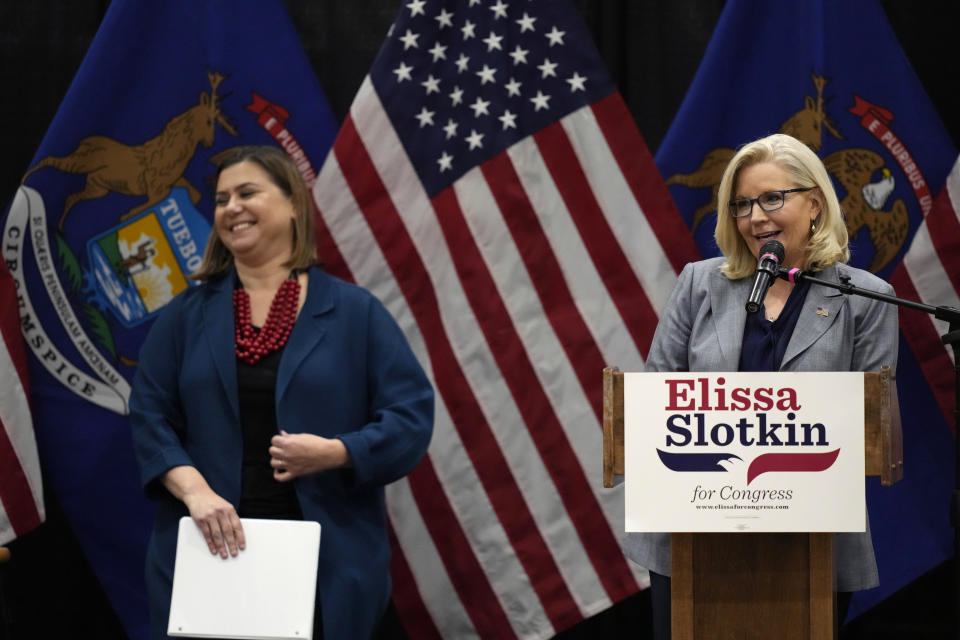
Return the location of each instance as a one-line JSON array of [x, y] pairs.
[[952, 338]]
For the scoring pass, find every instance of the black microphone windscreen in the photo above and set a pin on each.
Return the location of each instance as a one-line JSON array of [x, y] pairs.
[[775, 248]]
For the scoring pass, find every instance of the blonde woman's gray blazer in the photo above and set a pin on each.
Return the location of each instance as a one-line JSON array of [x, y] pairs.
[[701, 329]]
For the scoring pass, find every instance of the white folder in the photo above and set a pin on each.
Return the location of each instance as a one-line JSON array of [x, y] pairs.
[[266, 592]]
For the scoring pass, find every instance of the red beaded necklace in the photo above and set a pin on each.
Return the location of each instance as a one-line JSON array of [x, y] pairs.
[[251, 345]]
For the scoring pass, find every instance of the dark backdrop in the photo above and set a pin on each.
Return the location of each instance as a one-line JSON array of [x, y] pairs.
[[652, 49]]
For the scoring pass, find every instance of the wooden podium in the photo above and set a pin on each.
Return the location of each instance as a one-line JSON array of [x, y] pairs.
[[760, 585]]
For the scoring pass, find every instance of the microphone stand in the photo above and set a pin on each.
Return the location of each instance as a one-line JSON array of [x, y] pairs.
[[952, 338]]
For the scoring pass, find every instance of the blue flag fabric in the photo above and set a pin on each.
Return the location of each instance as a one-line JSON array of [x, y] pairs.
[[112, 217], [833, 75]]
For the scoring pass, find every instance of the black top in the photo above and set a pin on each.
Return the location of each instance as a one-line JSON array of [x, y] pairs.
[[765, 342], [260, 495]]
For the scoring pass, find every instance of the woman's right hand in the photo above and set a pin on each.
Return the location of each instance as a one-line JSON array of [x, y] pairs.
[[215, 517], [218, 522]]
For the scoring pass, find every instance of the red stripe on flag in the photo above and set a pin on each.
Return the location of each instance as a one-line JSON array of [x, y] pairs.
[[466, 574], [327, 251], [625, 289], [925, 343], [643, 176], [15, 493], [944, 229], [547, 277], [543, 425], [407, 599], [518, 373], [412, 277], [463, 568], [10, 326]]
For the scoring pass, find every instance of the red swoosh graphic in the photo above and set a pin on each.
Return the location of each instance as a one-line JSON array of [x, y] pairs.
[[791, 462]]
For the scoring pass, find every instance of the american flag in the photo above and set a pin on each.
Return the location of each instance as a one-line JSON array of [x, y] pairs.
[[930, 273], [490, 187], [21, 488]]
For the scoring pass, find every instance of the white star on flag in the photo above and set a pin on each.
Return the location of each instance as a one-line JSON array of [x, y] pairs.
[[526, 22], [467, 30], [508, 119], [425, 117], [493, 42], [548, 68], [475, 140], [519, 55], [513, 87], [416, 7], [450, 128], [499, 10], [443, 18], [403, 72], [540, 101], [431, 84], [486, 74], [555, 36], [479, 107], [456, 96], [462, 62], [577, 82], [445, 161], [438, 51], [409, 39]]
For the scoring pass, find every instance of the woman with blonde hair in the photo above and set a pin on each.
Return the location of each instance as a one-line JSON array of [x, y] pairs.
[[774, 189]]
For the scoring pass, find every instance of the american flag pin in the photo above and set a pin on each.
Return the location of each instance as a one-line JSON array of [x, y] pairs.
[[822, 312]]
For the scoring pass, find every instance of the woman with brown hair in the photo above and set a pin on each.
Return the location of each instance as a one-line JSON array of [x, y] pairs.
[[273, 390]]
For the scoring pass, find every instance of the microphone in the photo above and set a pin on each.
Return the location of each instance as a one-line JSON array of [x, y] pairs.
[[771, 255]]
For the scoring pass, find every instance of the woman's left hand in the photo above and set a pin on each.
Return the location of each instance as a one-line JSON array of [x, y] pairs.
[[299, 454]]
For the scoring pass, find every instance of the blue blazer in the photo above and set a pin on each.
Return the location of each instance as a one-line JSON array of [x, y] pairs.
[[346, 372], [701, 329]]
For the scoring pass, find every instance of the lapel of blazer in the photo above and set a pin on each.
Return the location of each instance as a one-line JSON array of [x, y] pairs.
[[308, 330], [218, 330], [727, 300], [820, 310]]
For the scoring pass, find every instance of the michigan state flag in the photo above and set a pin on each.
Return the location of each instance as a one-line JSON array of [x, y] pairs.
[[833, 75], [112, 218]]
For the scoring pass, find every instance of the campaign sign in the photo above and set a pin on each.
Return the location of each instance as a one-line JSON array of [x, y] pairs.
[[744, 452]]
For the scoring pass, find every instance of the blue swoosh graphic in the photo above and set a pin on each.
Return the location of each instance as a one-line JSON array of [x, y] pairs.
[[695, 461]]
